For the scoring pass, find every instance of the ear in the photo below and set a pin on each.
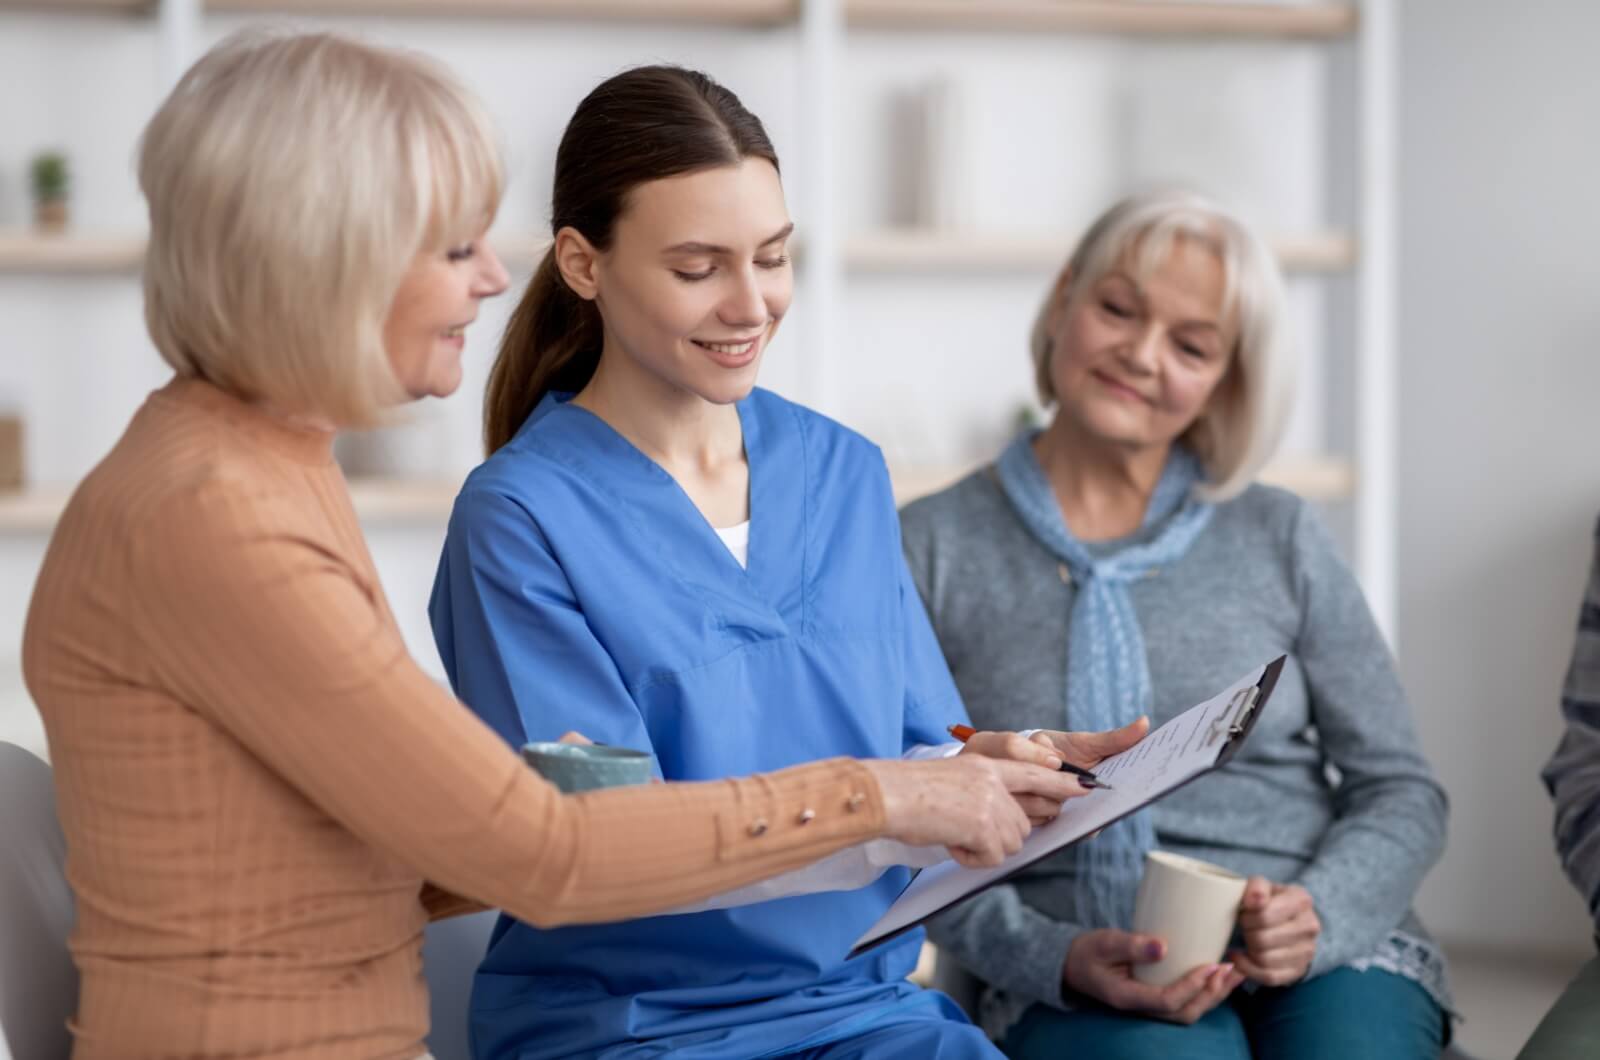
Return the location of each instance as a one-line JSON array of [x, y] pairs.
[[579, 263]]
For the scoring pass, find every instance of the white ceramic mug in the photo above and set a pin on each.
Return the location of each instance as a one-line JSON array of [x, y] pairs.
[[1189, 904]]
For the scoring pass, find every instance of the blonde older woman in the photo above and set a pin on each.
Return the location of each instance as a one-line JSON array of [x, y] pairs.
[[1120, 562], [253, 776]]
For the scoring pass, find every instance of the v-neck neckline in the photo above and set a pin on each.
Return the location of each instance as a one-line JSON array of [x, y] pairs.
[[750, 432]]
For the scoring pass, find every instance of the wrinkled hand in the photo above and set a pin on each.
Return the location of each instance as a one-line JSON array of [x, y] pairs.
[[1089, 749], [1280, 928], [1048, 748], [1100, 965], [968, 804]]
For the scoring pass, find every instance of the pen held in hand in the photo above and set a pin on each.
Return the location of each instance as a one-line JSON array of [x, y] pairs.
[[1090, 781]]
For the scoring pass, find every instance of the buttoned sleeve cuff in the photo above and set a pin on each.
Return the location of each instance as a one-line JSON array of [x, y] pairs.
[[823, 803]]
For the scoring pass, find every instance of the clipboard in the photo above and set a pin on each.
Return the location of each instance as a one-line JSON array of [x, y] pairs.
[[1203, 738]]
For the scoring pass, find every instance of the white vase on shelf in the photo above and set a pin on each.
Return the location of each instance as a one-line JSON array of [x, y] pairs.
[[930, 175], [11, 441], [945, 202]]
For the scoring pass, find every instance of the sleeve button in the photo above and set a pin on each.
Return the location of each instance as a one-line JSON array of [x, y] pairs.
[[855, 802], [758, 827], [807, 815]]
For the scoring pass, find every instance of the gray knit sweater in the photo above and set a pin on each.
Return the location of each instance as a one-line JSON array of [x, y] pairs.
[[1573, 773], [1331, 791]]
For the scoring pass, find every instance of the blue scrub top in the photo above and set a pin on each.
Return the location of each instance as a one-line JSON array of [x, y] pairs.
[[580, 588]]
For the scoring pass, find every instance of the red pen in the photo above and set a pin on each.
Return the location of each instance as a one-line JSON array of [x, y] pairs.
[[966, 732]]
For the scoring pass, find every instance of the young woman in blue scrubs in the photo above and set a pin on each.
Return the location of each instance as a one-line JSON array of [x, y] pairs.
[[661, 556]]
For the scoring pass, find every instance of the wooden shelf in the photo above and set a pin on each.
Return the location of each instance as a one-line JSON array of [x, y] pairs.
[[1152, 17], [912, 251], [400, 501], [130, 7], [715, 12], [33, 509], [24, 251], [890, 250], [75, 252], [382, 500], [1314, 478]]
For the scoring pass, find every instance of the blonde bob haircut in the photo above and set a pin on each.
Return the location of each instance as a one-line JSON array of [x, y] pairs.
[[1244, 420], [292, 179]]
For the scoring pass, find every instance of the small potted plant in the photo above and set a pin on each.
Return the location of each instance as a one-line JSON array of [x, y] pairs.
[[50, 183]]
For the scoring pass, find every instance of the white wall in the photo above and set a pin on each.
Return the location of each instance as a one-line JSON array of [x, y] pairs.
[[1500, 431]]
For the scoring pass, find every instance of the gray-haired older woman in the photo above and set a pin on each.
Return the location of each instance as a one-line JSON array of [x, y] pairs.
[[1121, 561]]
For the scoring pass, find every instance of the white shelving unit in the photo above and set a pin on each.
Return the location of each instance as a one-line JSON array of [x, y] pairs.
[[718, 12], [1159, 17], [912, 250], [833, 256], [756, 13]]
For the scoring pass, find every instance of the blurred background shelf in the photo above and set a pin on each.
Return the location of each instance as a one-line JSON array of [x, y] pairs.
[[1306, 21], [67, 252], [911, 250], [400, 501], [888, 250], [24, 251], [717, 12], [1082, 16], [130, 7], [379, 500], [1111, 16]]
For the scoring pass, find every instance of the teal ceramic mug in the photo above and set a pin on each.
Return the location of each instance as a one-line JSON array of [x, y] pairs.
[[584, 767]]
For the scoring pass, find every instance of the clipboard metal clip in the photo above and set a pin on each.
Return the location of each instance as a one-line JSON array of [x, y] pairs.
[[1231, 722]]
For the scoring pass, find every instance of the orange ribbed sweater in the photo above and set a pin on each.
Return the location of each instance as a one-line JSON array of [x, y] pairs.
[[255, 779]]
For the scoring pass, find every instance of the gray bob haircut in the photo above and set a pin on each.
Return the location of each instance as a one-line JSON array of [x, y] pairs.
[[292, 179], [1244, 421]]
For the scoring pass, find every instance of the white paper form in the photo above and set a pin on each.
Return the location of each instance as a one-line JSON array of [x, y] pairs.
[[1177, 752]]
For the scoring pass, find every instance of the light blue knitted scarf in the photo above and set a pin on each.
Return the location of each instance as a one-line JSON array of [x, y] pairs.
[[1108, 677]]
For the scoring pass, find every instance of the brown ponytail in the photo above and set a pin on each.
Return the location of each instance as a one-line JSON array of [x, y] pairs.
[[643, 124], [551, 343]]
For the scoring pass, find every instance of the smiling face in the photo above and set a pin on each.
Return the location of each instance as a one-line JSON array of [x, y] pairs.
[[437, 298], [1135, 363], [697, 279]]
